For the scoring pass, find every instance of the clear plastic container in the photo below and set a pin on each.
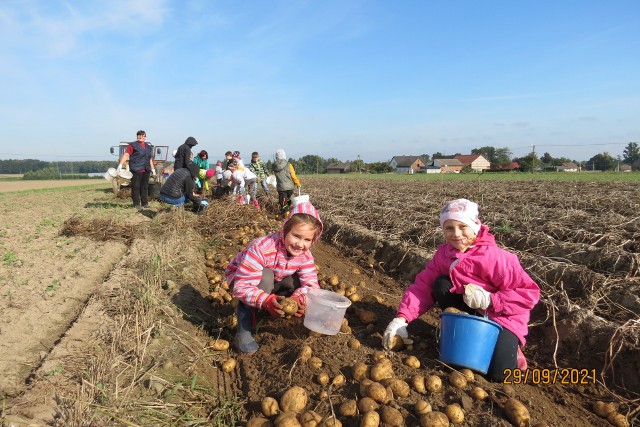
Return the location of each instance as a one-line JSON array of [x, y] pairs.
[[325, 311]]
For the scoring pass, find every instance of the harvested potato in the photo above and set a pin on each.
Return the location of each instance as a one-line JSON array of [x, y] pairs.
[[367, 404], [338, 380], [457, 380], [509, 390], [348, 408], [517, 413], [345, 329], [378, 355], [331, 422], [364, 384], [259, 422], [618, 420], [412, 362], [269, 407], [333, 280], [366, 317], [350, 290], [478, 393], [377, 392], [310, 419], [455, 413], [391, 417], [353, 343], [323, 395], [603, 409], [422, 407], [294, 399], [229, 365], [417, 381], [322, 378], [289, 306], [314, 363], [354, 297], [287, 419], [399, 387], [360, 371], [370, 419], [305, 353], [453, 310], [433, 383], [381, 370], [397, 344], [468, 374], [434, 419], [219, 345]]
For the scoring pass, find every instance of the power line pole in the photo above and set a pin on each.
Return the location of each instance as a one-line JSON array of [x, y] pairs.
[[533, 158]]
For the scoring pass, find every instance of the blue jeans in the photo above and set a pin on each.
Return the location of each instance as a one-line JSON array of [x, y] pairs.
[[178, 201]]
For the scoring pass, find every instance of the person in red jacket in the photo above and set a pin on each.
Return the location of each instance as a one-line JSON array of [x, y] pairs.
[[273, 267], [471, 273]]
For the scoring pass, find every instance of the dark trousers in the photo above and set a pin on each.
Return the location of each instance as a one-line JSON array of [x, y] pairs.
[[505, 353], [283, 288], [284, 198], [140, 188]]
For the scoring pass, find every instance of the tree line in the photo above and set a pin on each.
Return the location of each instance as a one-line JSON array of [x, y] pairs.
[[314, 164]]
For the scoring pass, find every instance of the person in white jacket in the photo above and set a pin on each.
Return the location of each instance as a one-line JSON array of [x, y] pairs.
[[244, 179]]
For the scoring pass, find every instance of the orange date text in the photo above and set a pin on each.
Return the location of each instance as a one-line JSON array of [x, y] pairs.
[[565, 376]]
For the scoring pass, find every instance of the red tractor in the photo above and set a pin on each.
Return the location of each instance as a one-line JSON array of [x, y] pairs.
[[160, 155]]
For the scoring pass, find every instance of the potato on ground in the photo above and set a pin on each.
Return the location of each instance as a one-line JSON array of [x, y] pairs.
[[310, 419], [269, 407], [294, 400], [618, 420], [399, 387], [381, 370], [433, 383], [322, 378], [314, 363], [331, 422], [603, 409], [517, 413], [377, 392], [468, 374], [360, 371], [219, 345], [455, 413], [367, 404], [417, 381], [412, 362], [457, 380], [305, 353], [421, 407], [479, 393], [287, 419], [434, 419], [338, 380], [348, 408], [391, 417], [259, 422], [370, 419], [228, 365]]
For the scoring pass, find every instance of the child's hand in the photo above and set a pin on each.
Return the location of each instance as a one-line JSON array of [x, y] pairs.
[[272, 305], [302, 307], [476, 297], [398, 326]]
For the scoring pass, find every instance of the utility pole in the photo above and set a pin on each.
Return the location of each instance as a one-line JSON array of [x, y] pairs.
[[533, 158]]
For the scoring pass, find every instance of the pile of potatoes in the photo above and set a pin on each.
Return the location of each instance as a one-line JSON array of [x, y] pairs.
[[609, 411]]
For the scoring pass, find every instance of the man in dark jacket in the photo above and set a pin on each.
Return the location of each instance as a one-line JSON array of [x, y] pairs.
[[178, 188], [183, 154]]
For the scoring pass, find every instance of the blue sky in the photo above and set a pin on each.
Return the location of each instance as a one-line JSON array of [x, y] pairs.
[[338, 79]]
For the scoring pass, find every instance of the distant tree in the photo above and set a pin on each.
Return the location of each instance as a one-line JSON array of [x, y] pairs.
[[602, 162], [438, 155], [546, 158], [380, 167], [426, 158], [332, 161], [310, 164], [357, 165], [631, 153], [495, 156], [529, 162]]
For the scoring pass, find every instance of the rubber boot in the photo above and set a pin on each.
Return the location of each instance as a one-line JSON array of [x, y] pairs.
[[256, 204], [244, 340]]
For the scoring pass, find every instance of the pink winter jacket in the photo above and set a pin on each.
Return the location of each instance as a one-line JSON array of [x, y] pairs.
[[513, 292], [244, 272]]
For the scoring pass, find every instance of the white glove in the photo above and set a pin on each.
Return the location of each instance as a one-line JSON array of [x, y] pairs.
[[153, 172], [119, 167], [476, 297], [398, 326]]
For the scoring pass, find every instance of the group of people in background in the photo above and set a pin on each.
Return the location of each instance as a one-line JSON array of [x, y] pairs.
[[193, 177]]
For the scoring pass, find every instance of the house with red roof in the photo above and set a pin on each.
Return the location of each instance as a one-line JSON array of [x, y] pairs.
[[475, 161]]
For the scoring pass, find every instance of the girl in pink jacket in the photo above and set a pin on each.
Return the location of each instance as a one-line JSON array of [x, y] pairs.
[[471, 273], [273, 267]]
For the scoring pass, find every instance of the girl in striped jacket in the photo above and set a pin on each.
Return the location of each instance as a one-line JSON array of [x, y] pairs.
[[273, 267]]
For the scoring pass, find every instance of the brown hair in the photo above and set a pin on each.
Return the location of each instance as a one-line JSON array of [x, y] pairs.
[[303, 218], [203, 153]]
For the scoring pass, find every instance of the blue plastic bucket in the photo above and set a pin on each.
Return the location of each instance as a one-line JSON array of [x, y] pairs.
[[467, 341]]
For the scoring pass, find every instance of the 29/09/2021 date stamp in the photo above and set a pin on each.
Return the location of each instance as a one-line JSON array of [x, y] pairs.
[[565, 376]]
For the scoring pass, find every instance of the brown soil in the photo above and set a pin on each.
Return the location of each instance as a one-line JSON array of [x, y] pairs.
[[107, 313]]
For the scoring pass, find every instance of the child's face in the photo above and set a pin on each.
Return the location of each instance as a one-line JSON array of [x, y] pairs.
[[299, 239], [458, 234]]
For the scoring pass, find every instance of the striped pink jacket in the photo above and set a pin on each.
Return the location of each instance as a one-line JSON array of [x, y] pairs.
[[245, 270]]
